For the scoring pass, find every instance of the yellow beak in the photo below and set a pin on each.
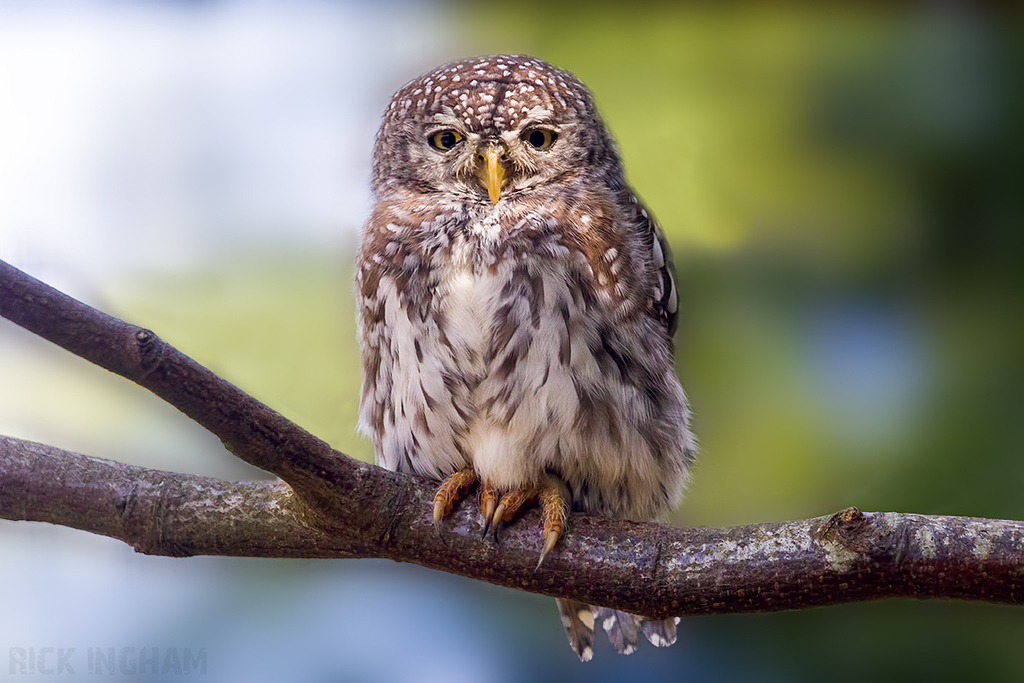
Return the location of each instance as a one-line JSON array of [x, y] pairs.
[[491, 172]]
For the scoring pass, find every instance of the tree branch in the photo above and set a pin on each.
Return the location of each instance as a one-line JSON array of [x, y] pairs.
[[249, 429], [156, 512], [333, 506]]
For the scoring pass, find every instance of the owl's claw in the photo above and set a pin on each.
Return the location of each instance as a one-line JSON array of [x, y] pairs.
[[488, 504], [511, 503], [451, 490], [549, 542], [438, 512], [551, 495], [554, 510]]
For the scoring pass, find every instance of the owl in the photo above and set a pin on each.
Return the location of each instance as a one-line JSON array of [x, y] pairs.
[[516, 307]]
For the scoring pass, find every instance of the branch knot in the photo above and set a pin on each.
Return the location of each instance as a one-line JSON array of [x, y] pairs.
[[849, 528], [150, 348]]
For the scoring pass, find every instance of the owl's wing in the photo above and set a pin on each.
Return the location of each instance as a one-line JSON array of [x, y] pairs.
[[665, 299]]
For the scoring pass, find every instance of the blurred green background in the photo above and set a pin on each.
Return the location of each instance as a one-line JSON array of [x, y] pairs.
[[842, 188]]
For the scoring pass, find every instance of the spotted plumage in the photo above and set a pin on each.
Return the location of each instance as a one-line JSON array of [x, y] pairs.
[[517, 305]]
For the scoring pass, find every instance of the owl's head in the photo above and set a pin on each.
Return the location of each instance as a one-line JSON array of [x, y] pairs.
[[491, 128]]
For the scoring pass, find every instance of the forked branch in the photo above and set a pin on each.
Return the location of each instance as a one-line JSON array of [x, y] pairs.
[[332, 506]]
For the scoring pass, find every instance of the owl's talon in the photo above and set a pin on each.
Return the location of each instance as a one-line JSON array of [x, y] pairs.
[[451, 490], [488, 504], [513, 501], [552, 498], [509, 505], [492, 522], [550, 539], [554, 510]]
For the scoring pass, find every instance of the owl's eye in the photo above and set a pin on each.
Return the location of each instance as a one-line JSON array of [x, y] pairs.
[[540, 138], [444, 140]]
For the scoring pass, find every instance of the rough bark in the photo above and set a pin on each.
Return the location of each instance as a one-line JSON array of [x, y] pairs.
[[332, 506]]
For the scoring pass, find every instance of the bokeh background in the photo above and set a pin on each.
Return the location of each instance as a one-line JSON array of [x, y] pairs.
[[843, 190]]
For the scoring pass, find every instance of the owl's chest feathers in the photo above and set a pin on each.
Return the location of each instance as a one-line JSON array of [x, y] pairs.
[[504, 336], [477, 296], [466, 303]]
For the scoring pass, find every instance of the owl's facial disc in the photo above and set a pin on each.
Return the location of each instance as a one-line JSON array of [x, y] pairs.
[[491, 171]]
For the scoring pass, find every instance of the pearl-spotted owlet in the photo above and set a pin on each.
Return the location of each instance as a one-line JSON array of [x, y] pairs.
[[516, 308]]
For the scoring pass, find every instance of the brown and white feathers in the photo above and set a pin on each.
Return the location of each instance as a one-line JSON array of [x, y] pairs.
[[517, 303]]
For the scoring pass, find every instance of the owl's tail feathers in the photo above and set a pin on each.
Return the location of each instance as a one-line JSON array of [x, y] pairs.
[[622, 629], [578, 620], [661, 633]]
